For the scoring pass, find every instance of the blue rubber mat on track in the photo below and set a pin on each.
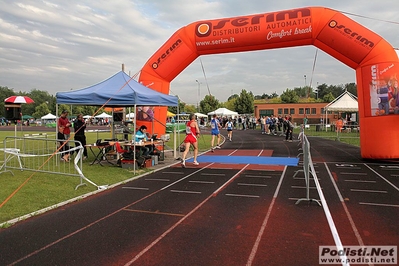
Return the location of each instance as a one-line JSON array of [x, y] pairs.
[[247, 160]]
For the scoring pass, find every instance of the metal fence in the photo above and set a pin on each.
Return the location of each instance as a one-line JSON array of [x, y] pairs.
[[41, 154]]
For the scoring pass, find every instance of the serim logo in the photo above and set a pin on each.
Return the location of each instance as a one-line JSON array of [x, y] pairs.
[[239, 24], [166, 54], [204, 29], [352, 34]]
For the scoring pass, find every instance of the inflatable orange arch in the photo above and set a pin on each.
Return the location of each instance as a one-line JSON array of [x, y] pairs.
[[374, 59]]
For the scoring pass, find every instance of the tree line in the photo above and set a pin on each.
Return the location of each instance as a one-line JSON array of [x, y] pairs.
[[242, 103]]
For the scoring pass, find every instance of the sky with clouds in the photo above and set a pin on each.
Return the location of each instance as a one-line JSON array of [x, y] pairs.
[[66, 45]]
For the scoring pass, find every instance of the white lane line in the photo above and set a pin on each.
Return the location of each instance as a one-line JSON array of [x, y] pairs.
[[185, 191], [330, 220], [302, 178], [213, 174], [260, 176], [137, 188], [346, 173], [360, 181], [251, 185], [348, 215], [368, 190], [201, 182], [379, 204], [141, 253], [157, 179], [174, 173], [264, 223], [383, 178], [303, 187], [242, 195]]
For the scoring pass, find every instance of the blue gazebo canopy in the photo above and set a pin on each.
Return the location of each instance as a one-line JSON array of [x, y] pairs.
[[118, 90]]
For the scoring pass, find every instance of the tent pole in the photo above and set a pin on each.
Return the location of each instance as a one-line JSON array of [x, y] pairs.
[[134, 139]]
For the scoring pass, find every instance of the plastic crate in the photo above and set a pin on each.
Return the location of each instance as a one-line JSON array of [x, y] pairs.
[[128, 164]]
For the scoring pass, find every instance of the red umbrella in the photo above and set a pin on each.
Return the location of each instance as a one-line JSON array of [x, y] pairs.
[[18, 99]]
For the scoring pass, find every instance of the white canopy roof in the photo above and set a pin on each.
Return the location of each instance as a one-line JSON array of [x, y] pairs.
[[223, 112], [200, 115], [346, 102], [103, 115], [48, 116]]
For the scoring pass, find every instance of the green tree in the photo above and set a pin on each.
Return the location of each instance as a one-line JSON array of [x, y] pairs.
[[245, 103], [41, 110], [289, 96], [234, 96], [231, 103], [351, 87], [181, 109], [209, 104], [328, 97]]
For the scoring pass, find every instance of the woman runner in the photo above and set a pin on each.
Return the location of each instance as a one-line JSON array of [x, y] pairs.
[[192, 133]]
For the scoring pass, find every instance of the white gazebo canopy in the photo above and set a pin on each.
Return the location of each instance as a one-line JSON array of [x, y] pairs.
[[200, 115], [103, 115], [346, 102], [223, 112], [48, 117]]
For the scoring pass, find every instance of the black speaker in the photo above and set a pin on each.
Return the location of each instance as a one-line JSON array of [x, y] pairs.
[[118, 117], [13, 111]]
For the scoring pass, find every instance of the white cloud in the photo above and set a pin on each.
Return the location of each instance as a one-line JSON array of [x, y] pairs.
[[74, 45]]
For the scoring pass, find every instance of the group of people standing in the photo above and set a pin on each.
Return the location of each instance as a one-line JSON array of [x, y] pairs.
[[270, 125], [64, 134]]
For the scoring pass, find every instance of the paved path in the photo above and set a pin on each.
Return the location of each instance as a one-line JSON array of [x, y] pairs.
[[220, 213]]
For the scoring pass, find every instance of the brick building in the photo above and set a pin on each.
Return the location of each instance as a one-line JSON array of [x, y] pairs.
[[313, 111]]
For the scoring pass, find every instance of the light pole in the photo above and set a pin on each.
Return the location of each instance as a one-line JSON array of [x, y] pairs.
[[199, 94]]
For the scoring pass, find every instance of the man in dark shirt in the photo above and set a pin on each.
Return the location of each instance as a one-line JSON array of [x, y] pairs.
[[80, 125]]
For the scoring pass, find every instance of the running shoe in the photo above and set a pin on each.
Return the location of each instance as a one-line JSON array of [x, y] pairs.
[[217, 147], [183, 163], [195, 163]]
